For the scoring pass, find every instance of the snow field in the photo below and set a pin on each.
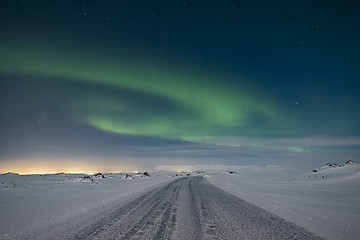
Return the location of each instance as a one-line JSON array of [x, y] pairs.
[[326, 202], [35, 203]]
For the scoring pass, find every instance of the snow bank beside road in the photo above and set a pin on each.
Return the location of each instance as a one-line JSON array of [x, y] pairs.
[[326, 202]]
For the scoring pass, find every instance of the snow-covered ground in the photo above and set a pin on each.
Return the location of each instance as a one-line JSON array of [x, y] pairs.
[[325, 201], [35, 203]]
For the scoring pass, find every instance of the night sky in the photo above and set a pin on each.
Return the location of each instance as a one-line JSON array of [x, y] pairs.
[[89, 86]]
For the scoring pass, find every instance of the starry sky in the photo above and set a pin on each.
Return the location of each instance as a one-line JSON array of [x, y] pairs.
[[89, 86]]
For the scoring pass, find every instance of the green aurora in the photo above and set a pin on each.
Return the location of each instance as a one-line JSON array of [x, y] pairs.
[[202, 106]]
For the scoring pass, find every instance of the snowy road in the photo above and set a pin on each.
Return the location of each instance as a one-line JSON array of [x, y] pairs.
[[190, 208]]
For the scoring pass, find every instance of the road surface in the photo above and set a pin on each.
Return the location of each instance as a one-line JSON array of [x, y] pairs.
[[191, 208]]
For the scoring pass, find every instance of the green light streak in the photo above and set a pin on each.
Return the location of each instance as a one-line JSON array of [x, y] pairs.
[[285, 148], [229, 142], [220, 109]]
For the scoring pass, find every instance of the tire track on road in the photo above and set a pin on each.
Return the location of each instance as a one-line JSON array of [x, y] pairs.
[[191, 208], [147, 217]]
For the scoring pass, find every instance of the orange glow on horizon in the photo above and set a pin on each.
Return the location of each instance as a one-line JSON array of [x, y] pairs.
[[72, 166]]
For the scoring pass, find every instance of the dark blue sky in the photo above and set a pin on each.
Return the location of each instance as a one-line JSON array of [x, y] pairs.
[[134, 84]]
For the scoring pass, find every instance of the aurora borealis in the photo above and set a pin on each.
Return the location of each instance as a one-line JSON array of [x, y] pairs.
[[133, 84], [191, 100]]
